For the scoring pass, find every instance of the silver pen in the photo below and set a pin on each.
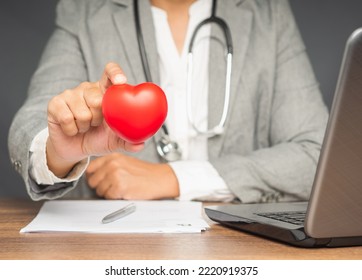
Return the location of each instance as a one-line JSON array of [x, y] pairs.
[[124, 211]]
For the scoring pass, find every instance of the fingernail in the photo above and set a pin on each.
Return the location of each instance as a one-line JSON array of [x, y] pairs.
[[119, 79]]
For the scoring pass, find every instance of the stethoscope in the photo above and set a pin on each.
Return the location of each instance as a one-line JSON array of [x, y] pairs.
[[166, 148]]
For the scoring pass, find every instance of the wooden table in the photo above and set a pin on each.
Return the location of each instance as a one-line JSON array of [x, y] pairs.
[[218, 243]]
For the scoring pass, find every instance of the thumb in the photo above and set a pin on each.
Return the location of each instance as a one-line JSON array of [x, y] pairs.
[[129, 147], [118, 144]]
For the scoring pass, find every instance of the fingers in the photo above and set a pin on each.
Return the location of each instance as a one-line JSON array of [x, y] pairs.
[[95, 164], [81, 112], [77, 110], [93, 99], [59, 113], [113, 74], [100, 183], [104, 176], [99, 168]]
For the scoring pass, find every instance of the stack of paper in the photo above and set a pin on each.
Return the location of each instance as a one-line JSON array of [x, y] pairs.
[[165, 216]]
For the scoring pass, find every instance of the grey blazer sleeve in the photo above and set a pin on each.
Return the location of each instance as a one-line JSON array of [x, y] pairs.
[[61, 67], [293, 122]]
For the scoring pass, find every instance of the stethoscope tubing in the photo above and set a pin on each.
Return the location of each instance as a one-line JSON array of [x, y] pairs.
[[219, 128], [170, 150]]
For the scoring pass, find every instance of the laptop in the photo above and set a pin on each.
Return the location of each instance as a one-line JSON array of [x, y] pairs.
[[333, 215]]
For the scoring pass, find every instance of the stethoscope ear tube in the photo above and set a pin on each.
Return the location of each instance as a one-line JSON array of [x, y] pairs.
[[141, 43], [224, 27], [219, 128]]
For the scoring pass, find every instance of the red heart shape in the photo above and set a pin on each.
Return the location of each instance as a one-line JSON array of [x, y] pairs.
[[134, 113]]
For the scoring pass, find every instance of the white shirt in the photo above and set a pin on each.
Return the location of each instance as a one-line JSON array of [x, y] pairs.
[[196, 176]]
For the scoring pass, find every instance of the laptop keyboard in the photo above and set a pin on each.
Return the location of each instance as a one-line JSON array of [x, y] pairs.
[[293, 217]]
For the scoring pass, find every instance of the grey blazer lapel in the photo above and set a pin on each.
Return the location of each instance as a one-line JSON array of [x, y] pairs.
[[239, 21], [125, 22]]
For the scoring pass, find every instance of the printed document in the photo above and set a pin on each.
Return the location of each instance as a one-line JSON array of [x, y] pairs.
[[164, 216]]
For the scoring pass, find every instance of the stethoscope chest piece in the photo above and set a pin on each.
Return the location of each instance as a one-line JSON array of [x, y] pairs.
[[167, 149]]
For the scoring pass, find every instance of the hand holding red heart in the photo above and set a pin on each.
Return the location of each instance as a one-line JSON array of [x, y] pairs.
[[76, 125]]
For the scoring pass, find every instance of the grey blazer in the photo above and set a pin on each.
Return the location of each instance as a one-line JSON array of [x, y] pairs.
[[277, 118]]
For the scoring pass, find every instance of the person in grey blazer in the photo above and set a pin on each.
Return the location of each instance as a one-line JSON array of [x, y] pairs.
[[274, 130]]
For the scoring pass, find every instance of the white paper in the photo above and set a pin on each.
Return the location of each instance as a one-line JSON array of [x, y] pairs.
[[165, 216]]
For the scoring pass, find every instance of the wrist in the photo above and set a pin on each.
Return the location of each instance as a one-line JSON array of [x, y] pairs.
[[171, 181], [58, 165]]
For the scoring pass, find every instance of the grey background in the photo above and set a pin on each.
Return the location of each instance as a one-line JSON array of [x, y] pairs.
[[25, 27]]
